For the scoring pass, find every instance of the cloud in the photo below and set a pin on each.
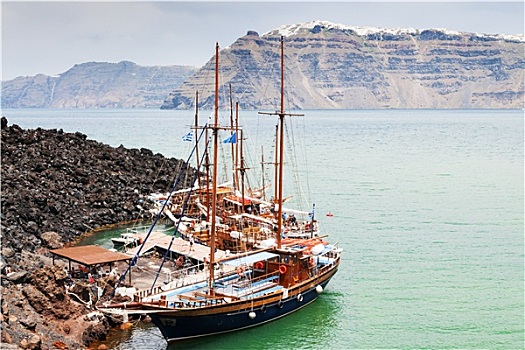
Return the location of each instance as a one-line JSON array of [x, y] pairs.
[[50, 37]]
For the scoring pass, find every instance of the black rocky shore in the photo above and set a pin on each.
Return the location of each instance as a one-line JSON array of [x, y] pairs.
[[55, 187]]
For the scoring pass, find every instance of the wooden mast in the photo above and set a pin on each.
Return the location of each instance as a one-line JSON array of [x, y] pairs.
[[196, 138], [281, 153], [235, 179], [242, 169], [276, 165], [207, 166], [262, 174], [239, 164], [281, 114], [280, 147], [237, 147], [215, 129]]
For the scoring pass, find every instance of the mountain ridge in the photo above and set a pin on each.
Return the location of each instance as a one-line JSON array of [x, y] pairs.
[[96, 85], [292, 29], [330, 66], [334, 67]]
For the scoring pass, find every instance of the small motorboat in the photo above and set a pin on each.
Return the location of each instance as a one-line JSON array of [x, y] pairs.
[[126, 240], [329, 214]]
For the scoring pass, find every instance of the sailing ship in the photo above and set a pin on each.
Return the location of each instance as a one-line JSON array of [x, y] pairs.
[[246, 217], [279, 276]]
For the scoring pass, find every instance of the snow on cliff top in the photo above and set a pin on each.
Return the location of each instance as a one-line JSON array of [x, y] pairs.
[[293, 29]]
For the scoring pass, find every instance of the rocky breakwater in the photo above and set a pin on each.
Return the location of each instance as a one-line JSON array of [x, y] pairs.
[[55, 187]]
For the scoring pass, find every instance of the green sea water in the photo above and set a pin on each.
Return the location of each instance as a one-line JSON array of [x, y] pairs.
[[428, 207]]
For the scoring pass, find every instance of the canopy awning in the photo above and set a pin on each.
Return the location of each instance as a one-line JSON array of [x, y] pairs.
[[90, 255], [237, 200], [250, 259], [253, 217]]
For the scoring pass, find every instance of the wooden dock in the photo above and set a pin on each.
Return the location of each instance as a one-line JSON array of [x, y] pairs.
[[170, 276]]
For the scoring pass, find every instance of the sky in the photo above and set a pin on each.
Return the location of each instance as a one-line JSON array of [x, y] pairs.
[[51, 37]]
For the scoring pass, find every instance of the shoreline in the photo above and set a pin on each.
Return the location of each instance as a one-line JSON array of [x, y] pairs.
[[54, 186]]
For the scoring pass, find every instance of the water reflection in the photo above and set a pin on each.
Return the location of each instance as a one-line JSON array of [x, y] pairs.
[[102, 237], [144, 336]]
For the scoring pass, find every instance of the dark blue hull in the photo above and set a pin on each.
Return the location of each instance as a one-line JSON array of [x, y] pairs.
[[182, 325]]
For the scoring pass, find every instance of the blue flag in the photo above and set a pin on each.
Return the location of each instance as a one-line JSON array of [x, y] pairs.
[[231, 139], [312, 213], [188, 137]]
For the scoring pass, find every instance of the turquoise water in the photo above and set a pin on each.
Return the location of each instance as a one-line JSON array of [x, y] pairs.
[[428, 206], [102, 237]]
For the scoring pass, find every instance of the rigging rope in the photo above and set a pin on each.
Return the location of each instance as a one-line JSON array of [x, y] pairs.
[[184, 207], [135, 258]]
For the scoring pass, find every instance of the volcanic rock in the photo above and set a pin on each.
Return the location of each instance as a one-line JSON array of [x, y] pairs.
[[51, 240], [55, 187]]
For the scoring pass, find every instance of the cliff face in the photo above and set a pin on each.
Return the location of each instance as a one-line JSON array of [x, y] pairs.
[[96, 85], [328, 66], [332, 66], [56, 186]]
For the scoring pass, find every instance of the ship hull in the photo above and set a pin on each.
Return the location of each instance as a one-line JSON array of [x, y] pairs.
[[176, 326]]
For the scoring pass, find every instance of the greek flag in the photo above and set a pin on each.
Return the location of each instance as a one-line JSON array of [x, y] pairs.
[[231, 139], [188, 137], [312, 213]]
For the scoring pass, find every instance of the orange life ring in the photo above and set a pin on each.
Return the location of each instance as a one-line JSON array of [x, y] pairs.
[[282, 269], [312, 261], [180, 261], [259, 265], [240, 271]]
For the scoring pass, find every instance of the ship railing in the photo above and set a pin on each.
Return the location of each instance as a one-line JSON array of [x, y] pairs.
[[138, 296], [332, 258], [197, 300], [183, 280], [246, 279], [271, 275], [243, 288]]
